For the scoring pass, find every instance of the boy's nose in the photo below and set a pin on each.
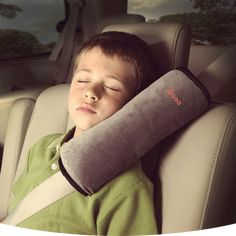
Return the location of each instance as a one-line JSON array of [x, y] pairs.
[[91, 94]]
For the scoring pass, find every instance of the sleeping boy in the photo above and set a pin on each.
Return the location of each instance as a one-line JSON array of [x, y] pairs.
[[110, 69]]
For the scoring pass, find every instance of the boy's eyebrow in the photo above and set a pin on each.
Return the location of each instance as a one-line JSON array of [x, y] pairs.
[[115, 76], [85, 70]]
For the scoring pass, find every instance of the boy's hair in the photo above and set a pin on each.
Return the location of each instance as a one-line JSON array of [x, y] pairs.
[[127, 47]]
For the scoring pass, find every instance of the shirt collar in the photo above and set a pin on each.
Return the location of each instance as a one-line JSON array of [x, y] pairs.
[[58, 142], [68, 135]]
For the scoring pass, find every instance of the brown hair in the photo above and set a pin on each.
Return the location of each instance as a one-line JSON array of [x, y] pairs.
[[127, 47]]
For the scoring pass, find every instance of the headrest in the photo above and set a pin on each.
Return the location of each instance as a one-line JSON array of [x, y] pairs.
[[170, 42], [219, 77], [119, 19]]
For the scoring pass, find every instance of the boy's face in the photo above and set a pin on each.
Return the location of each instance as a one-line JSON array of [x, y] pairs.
[[101, 85]]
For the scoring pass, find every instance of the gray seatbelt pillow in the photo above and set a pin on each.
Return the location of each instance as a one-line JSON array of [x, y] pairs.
[[105, 150]]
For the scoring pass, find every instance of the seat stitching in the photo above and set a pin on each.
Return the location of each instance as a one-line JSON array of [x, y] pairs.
[[20, 118], [165, 191], [175, 44], [221, 140]]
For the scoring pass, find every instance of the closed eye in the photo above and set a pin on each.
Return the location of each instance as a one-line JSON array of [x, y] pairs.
[[82, 81], [113, 89]]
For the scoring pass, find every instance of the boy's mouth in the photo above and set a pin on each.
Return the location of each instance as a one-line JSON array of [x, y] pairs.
[[86, 108]]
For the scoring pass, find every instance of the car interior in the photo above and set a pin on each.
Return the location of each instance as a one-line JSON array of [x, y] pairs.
[[193, 169]]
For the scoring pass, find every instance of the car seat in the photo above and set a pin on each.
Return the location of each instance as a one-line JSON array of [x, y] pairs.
[[193, 169]]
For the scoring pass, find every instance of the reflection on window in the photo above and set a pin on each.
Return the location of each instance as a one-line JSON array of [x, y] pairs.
[[213, 22], [28, 27]]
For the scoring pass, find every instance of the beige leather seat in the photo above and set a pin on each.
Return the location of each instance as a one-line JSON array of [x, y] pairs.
[[220, 76], [196, 175], [119, 19], [16, 110], [194, 168]]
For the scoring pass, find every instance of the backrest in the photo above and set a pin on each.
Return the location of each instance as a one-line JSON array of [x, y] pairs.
[[196, 173], [19, 107]]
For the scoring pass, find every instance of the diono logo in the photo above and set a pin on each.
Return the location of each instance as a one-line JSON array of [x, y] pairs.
[[172, 95]]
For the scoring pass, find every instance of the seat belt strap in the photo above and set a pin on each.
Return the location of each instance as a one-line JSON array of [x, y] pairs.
[[58, 47], [65, 43], [48, 192]]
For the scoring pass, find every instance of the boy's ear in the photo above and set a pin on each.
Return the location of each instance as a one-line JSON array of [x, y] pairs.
[[120, 140]]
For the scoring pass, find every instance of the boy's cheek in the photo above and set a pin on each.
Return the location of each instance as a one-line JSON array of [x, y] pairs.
[[71, 108], [74, 98]]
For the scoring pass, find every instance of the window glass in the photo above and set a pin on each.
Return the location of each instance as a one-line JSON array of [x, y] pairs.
[[28, 27], [213, 22]]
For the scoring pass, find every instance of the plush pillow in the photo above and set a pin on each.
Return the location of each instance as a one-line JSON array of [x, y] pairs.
[[103, 151]]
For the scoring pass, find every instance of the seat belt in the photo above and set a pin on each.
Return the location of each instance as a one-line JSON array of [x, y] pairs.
[[64, 47], [48, 192]]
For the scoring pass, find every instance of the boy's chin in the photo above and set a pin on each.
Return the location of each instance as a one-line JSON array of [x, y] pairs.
[[81, 128]]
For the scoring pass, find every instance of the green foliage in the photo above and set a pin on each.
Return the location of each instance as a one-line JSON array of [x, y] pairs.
[[223, 6], [214, 29], [15, 43], [9, 10]]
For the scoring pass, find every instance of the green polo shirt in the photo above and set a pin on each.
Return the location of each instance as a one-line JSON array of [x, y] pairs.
[[124, 206]]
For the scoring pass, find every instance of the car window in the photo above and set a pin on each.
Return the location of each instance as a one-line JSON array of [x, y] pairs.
[[213, 22], [28, 27]]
